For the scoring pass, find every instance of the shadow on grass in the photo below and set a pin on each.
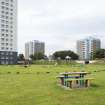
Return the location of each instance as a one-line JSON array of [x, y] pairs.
[[99, 71], [95, 86]]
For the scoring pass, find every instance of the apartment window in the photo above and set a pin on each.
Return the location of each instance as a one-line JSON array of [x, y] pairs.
[[2, 11], [11, 62], [6, 62], [11, 5], [2, 21], [2, 62], [11, 40], [6, 57], [11, 22], [11, 53], [7, 53], [6, 17], [11, 31], [2, 39], [6, 44], [11, 9], [7, 4], [2, 43], [7, 13], [11, 13], [11, 58], [6, 30], [6, 35], [2, 3], [2, 34], [6, 39], [2, 48], [2, 7], [11, 18], [7, 8], [6, 22], [2, 16], [7, 26], [7, 48], [2, 25], [11, 44], [11, 26], [2, 53], [2, 30]]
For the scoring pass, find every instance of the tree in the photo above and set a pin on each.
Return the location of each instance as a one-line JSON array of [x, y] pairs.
[[21, 57], [100, 53], [64, 54], [38, 56], [32, 57]]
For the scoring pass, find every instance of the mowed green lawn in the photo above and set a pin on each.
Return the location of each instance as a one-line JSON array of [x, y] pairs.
[[37, 85]]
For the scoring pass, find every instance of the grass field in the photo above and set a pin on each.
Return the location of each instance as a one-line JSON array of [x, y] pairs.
[[37, 85]]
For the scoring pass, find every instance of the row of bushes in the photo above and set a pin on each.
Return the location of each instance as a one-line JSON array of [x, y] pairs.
[[45, 62]]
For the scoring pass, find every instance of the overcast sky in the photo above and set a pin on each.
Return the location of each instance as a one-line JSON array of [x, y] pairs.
[[59, 23]]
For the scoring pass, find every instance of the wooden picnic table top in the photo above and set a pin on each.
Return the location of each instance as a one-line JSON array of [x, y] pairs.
[[68, 73]]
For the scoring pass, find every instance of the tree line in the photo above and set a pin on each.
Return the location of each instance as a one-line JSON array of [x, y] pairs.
[[98, 54]]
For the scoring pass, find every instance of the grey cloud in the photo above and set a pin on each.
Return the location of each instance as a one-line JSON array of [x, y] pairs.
[[60, 22]]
